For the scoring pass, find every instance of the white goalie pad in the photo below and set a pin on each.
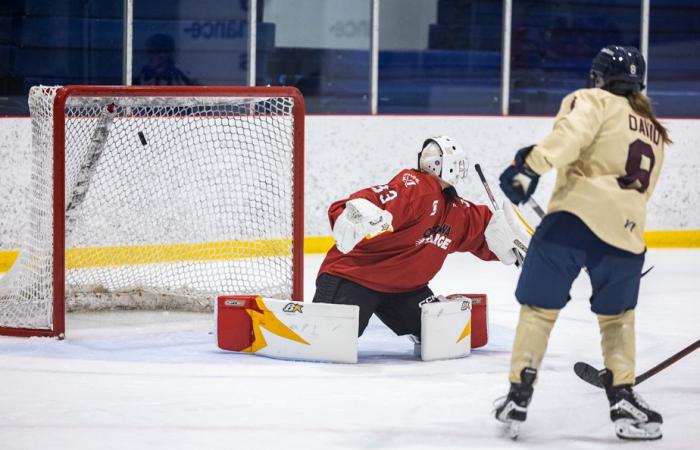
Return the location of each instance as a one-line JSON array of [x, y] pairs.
[[287, 329], [521, 228], [446, 329]]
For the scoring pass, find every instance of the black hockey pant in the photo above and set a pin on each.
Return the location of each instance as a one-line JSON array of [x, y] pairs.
[[399, 311]]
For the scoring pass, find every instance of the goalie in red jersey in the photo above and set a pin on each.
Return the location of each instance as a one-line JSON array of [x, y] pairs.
[[392, 239]]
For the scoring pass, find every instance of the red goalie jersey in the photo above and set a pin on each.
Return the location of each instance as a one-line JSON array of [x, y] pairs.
[[428, 225]]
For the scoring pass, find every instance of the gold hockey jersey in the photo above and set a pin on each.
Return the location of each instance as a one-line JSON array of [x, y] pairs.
[[608, 160]]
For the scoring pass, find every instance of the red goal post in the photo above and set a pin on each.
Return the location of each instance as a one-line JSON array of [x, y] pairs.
[[203, 126]]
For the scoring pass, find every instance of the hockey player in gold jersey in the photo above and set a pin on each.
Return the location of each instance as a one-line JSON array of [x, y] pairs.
[[608, 149]]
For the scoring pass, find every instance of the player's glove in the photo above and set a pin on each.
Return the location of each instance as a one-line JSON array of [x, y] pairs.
[[360, 219], [506, 232], [518, 181]]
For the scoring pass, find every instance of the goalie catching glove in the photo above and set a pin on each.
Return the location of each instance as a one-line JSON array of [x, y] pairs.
[[506, 231], [360, 219]]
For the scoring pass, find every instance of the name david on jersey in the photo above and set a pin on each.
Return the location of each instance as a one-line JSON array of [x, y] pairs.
[[436, 235], [645, 128]]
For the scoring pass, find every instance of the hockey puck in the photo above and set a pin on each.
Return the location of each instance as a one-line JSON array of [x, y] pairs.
[[142, 138]]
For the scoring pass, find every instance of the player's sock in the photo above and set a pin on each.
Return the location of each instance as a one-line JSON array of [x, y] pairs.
[[631, 415]]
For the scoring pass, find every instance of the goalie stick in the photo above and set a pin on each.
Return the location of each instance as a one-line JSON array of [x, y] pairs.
[[477, 167], [591, 375]]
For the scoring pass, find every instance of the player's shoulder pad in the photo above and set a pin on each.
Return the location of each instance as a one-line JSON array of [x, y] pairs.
[[463, 202], [416, 188], [409, 177], [414, 180], [584, 98]]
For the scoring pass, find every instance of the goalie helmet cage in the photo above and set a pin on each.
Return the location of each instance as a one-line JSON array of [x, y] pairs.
[[204, 184]]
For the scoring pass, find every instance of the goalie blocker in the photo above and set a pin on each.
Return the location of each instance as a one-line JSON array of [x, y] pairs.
[[328, 332]]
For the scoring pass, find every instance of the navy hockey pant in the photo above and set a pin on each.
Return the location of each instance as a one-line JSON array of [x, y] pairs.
[[560, 248]]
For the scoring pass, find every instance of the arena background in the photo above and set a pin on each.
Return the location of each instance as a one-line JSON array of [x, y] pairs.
[[378, 77]]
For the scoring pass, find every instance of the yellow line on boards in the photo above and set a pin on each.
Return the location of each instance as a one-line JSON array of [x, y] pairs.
[[77, 258], [318, 244], [653, 239], [672, 239], [7, 258], [119, 255]]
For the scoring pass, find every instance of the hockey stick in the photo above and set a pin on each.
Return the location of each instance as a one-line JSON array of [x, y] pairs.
[[591, 375], [477, 167], [536, 207], [88, 166]]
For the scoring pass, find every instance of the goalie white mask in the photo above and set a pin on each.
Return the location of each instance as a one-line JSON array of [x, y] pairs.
[[443, 157]]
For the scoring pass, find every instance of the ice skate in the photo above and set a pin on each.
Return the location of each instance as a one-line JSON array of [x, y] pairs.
[[630, 413], [512, 409], [416, 345]]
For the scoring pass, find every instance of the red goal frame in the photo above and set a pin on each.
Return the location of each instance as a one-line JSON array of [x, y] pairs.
[[59, 207]]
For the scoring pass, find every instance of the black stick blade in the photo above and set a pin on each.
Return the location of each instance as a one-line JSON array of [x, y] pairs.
[[588, 373]]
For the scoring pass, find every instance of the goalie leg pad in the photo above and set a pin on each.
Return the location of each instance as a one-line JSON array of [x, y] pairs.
[[480, 318], [446, 329], [287, 329]]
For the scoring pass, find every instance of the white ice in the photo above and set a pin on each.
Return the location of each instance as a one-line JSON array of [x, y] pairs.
[[147, 380]]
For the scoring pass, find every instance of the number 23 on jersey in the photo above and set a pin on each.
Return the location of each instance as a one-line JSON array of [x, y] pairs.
[[387, 196]]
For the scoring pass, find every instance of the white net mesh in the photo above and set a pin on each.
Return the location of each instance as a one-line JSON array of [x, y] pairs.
[[169, 201]]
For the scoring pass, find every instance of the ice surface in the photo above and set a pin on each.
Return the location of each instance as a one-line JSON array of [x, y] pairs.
[[146, 380]]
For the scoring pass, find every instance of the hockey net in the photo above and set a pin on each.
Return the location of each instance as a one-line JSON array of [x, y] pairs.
[[152, 197]]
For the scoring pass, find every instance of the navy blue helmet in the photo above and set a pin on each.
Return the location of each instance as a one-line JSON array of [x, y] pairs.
[[618, 69]]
